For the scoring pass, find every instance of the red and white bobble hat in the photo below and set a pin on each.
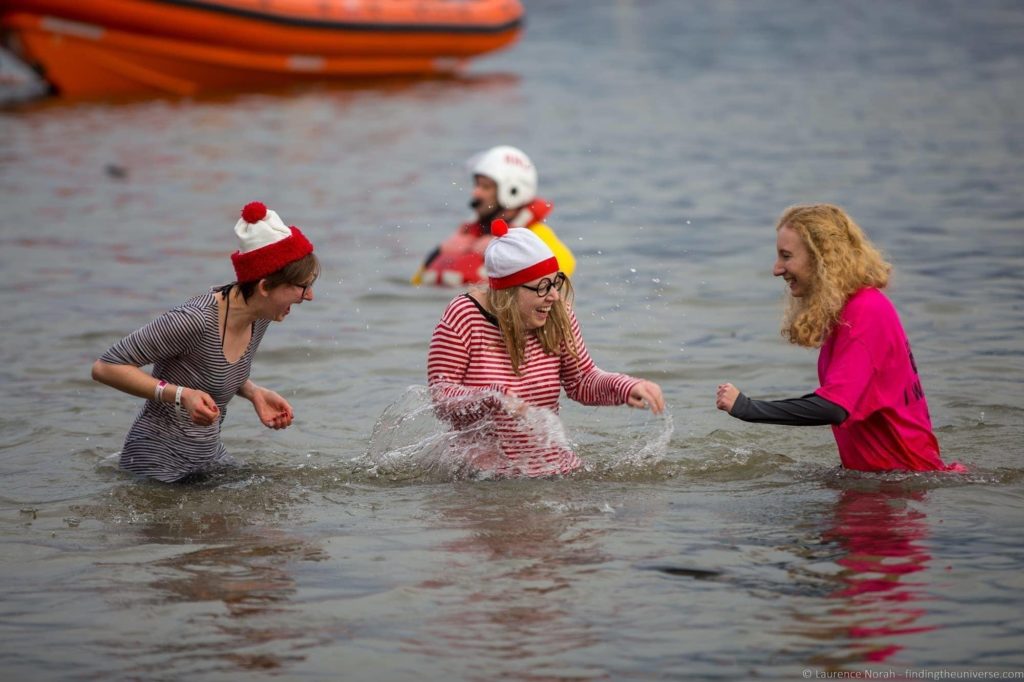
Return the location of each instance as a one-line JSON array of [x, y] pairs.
[[516, 256], [265, 243]]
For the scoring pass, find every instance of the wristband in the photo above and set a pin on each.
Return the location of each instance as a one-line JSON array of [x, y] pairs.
[[177, 398], [158, 391]]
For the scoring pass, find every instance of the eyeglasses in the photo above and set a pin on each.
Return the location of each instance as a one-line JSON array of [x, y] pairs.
[[304, 287], [546, 285]]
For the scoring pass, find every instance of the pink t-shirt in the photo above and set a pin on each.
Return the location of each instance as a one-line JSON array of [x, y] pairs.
[[867, 368]]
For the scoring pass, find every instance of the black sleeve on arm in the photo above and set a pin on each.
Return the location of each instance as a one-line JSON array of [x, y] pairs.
[[431, 256], [808, 410]]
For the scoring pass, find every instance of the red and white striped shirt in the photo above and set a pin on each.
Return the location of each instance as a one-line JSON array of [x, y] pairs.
[[468, 362]]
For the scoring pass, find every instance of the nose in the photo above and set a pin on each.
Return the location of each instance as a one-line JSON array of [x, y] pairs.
[[307, 295], [778, 270]]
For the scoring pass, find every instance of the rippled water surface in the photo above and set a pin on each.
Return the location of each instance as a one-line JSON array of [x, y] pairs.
[[669, 136]]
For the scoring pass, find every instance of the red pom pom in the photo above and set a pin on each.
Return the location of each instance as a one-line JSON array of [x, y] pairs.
[[499, 228], [254, 212]]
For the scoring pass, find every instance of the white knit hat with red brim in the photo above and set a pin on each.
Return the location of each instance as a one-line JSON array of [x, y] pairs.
[[266, 244], [516, 256]]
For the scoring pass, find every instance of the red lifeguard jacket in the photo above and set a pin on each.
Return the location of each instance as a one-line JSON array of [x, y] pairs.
[[460, 260]]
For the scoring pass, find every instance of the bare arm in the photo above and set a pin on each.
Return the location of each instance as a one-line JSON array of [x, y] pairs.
[[130, 379]]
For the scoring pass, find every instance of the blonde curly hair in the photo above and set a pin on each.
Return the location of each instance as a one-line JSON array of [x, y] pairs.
[[555, 336], [843, 260]]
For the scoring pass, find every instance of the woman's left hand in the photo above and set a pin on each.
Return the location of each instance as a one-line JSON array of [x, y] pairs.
[[647, 394], [726, 396], [273, 410]]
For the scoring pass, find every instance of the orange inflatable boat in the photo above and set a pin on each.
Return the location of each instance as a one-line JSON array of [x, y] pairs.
[[87, 48]]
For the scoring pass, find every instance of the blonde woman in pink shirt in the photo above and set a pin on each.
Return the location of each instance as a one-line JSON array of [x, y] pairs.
[[870, 392], [513, 345]]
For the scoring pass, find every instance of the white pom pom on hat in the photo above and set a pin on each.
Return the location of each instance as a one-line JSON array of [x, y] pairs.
[[266, 244], [516, 256]]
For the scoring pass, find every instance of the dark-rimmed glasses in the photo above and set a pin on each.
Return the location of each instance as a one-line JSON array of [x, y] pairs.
[[545, 286]]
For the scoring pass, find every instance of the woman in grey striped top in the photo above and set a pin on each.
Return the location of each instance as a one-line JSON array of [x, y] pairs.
[[202, 352]]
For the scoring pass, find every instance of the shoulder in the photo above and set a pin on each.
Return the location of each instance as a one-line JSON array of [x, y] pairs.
[[463, 311], [196, 311], [202, 302], [868, 303], [870, 316], [458, 305]]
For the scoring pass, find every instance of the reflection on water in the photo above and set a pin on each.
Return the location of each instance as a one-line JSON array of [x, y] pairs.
[[221, 573], [515, 562], [881, 540], [238, 597]]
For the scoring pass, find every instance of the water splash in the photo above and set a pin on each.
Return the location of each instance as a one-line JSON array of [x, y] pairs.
[[410, 442], [653, 450], [636, 448]]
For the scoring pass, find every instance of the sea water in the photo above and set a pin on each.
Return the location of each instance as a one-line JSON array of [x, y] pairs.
[[669, 136]]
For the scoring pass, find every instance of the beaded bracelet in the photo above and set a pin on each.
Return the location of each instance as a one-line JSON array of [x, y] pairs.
[[158, 391]]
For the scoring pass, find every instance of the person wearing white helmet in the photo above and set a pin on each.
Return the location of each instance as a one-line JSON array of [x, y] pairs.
[[505, 187]]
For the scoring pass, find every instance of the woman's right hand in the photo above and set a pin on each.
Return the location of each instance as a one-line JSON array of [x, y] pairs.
[[647, 395]]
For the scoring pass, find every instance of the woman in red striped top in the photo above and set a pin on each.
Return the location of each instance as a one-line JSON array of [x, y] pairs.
[[514, 345]]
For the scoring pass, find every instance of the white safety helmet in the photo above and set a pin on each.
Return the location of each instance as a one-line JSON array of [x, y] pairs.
[[512, 171]]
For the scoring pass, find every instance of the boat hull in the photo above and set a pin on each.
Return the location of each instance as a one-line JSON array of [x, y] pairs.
[[112, 47]]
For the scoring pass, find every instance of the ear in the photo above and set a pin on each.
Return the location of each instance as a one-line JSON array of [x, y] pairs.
[[262, 288]]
